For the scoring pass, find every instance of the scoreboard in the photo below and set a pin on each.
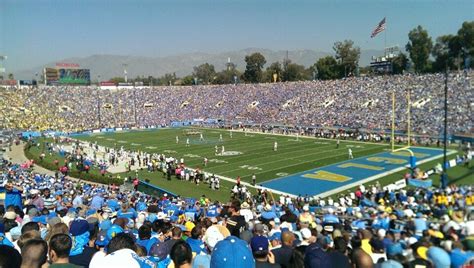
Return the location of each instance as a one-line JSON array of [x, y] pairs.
[[67, 76]]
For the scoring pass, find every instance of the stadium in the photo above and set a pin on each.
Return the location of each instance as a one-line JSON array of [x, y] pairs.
[[274, 165]]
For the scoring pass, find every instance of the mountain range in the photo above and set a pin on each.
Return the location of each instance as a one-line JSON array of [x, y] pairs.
[[108, 66]]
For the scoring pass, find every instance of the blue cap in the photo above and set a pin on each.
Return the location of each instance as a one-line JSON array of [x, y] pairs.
[[259, 243], [90, 212], [141, 206], [232, 252], [78, 227], [275, 236], [72, 210], [101, 240], [113, 231], [41, 219], [439, 257]]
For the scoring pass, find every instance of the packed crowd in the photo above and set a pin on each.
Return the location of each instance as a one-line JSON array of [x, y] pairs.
[[55, 221], [363, 102]]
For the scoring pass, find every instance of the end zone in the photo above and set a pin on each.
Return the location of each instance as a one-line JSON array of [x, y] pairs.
[[331, 179]]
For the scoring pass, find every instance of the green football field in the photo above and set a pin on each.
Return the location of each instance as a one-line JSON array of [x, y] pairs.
[[245, 154]]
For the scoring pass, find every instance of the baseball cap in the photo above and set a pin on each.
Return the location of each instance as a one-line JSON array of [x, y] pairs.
[[101, 240], [78, 227], [275, 236], [306, 233], [113, 231], [10, 215], [232, 252], [41, 219], [214, 234], [259, 243], [189, 225], [439, 257]]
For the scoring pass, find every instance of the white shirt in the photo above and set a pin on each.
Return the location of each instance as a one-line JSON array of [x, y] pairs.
[[125, 258], [247, 213]]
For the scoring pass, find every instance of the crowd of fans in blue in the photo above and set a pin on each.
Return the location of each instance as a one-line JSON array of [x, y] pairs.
[[61, 222]]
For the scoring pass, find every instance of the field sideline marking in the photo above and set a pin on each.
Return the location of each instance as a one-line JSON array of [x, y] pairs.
[[360, 182], [303, 136], [308, 162]]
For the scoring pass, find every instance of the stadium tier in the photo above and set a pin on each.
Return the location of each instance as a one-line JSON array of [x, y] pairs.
[[302, 199], [353, 103]]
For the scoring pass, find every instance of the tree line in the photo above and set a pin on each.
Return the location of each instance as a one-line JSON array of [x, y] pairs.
[[452, 51]]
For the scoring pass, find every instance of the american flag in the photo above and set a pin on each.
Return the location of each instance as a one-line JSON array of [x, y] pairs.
[[380, 28]]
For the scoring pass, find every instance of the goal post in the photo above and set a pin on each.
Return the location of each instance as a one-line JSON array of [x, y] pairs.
[[407, 147]]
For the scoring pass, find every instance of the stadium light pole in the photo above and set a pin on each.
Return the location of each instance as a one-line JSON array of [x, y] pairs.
[[98, 110], [135, 106], [444, 176]]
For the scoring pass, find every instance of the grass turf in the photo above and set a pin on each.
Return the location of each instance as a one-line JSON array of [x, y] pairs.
[[257, 156]]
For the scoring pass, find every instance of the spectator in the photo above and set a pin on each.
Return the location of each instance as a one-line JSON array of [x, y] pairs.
[[120, 253], [181, 254], [9, 257], [263, 256], [59, 247], [34, 253], [284, 253]]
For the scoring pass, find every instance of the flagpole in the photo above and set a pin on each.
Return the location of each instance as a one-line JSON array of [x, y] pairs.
[[385, 38]]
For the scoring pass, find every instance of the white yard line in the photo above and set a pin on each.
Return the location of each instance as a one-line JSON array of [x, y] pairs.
[[305, 137]]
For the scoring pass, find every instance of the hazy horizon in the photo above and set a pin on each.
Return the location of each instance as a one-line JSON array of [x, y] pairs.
[[33, 33]]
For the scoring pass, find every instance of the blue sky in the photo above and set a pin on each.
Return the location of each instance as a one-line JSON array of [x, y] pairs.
[[34, 32]]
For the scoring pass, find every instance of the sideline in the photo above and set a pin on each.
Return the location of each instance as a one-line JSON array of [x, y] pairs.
[[17, 155]]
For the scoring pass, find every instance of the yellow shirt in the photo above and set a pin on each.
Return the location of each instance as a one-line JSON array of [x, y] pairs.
[[366, 246]]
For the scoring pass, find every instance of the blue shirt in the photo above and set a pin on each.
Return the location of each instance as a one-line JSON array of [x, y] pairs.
[[113, 204], [147, 243], [269, 215], [129, 214], [196, 245], [97, 202], [458, 258], [13, 197]]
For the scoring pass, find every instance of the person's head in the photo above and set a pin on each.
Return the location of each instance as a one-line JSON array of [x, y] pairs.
[[197, 232], [9, 186], [144, 232], [365, 234], [30, 226], [9, 257], [59, 247], [33, 234], [234, 206], [120, 241], [34, 253], [287, 238], [46, 192], [176, 233], [181, 254], [58, 228], [259, 246], [340, 244]]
